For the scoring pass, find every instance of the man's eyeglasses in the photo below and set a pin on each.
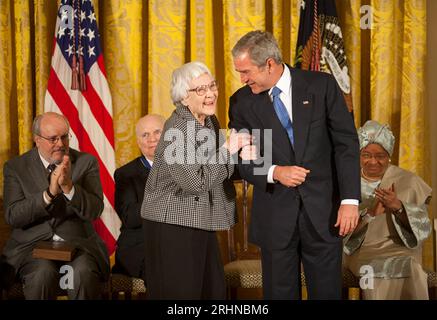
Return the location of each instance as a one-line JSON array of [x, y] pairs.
[[54, 140], [378, 156], [201, 90]]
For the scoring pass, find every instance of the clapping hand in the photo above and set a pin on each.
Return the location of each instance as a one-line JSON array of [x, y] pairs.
[[54, 187], [388, 198], [65, 182]]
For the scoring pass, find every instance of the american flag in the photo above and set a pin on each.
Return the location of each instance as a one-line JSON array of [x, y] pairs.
[[320, 43], [77, 62]]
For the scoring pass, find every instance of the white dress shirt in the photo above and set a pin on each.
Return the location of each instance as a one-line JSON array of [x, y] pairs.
[[47, 200]]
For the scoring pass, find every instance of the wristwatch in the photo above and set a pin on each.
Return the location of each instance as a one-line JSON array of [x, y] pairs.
[[51, 196], [399, 211]]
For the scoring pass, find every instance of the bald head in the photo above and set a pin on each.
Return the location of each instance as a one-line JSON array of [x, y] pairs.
[[51, 136], [148, 131], [47, 117]]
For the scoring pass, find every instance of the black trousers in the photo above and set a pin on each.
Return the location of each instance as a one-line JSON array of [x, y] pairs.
[[182, 263], [321, 263]]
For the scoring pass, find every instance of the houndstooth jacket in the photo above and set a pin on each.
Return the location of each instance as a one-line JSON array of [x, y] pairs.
[[185, 190]]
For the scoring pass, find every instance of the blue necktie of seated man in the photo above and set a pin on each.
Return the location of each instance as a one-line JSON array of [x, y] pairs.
[[282, 114]]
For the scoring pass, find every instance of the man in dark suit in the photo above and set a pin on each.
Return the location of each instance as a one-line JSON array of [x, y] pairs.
[[307, 190], [130, 181], [56, 206]]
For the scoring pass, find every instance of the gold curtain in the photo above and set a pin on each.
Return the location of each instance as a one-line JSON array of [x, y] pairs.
[[122, 26], [349, 15], [143, 41]]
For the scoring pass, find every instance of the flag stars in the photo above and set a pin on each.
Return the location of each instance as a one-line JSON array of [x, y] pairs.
[[92, 17], [82, 32], [91, 52], [61, 32], [69, 50], [82, 16], [90, 35]]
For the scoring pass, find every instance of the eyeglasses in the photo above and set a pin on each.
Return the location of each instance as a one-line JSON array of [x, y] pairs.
[[54, 140], [377, 156], [201, 90]]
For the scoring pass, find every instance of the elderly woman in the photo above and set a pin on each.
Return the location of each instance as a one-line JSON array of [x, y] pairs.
[[385, 248], [189, 194]]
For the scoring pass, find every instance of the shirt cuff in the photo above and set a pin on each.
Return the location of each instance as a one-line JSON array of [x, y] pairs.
[[350, 201], [70, 195], [46, 198], [270, 174]]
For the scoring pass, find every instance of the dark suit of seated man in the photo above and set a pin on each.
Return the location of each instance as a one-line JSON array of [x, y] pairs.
[[130, 181], [7, 274], [56, 206]]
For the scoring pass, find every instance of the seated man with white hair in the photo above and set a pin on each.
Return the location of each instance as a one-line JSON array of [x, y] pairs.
[[130, 181]]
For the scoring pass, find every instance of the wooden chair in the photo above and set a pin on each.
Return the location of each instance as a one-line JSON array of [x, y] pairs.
[[243, 273], [432, 284]]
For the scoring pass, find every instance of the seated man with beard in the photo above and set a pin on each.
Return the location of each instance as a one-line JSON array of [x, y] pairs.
[[53, 193]]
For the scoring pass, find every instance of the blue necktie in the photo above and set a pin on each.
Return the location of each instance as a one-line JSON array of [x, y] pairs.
[[145, 162], [282, 113]]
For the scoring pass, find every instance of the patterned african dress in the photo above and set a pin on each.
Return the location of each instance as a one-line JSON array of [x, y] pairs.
[[388, 247]]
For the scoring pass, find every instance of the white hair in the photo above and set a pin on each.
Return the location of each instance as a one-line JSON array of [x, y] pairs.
[[181, 78]]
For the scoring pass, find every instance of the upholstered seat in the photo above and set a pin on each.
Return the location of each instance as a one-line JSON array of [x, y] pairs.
[[248, 274], [127, 287], [432, 279], [243, 274]]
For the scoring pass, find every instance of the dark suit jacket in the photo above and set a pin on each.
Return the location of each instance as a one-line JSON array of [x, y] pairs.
[[130, 181], [326, 143], [25, 180]]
